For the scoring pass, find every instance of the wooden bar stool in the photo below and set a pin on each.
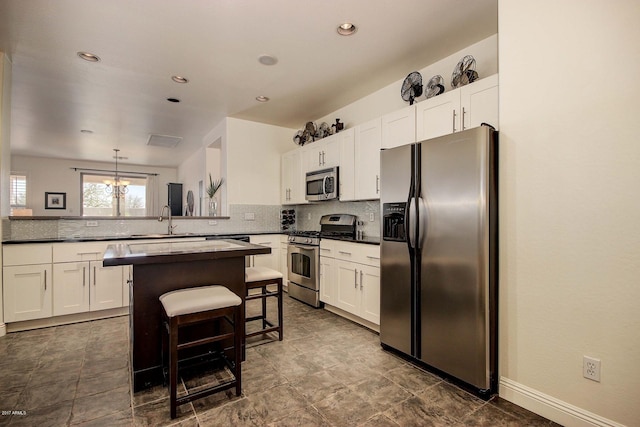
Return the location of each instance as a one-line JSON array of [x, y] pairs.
[[260, 278], [187, 307]]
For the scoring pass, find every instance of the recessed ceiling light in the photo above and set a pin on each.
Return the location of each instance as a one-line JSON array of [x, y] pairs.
[[347, 29], [86, 131], [89, 56], [262, 98], [173, 100], [267, 60], [179, 79]]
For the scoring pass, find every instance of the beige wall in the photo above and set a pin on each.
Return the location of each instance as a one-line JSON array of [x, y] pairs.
[[570, 207], [388, 99], [253, 161], [56, 175]]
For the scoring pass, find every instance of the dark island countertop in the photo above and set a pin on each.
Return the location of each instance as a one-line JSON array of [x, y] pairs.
[[164, 252]]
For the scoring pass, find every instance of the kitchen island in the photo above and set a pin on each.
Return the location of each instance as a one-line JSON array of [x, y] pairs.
[[162, 267]]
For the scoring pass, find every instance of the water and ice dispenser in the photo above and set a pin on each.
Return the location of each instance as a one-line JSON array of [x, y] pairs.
[[393, 226]]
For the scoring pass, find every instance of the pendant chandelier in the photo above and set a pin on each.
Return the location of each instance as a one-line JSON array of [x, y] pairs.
[[116, 186]]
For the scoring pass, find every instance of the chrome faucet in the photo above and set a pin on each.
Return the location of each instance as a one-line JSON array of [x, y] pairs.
[[170, 227]]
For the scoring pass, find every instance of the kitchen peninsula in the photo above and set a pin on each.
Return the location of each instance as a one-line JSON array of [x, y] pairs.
[[162, 267]]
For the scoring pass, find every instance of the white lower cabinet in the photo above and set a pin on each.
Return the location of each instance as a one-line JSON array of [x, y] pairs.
[[284, 266], [82, 284], [27, 282], [350, 278], [271, 260], [71, 294], [27, 292]]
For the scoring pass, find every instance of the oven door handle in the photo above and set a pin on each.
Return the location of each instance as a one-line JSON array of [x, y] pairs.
[[303, 247]]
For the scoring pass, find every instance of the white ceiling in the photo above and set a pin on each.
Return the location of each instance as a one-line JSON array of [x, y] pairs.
[[216, 45]]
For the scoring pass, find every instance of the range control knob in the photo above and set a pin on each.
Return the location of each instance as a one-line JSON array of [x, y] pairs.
[[308, 240]]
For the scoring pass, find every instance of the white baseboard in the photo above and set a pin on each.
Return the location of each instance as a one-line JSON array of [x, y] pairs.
[[549, 407], [3, 329], [352, 317]]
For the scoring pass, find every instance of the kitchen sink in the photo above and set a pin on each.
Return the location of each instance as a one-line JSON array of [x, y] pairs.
[[161, 235]]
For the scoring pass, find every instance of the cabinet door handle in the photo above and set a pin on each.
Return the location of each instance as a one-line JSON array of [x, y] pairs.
[[84, 276], [94, 275], [373, 257], [377, 184], [355, 279], [463, 113], [344, 253], [360, 279], [323, 159], [454, 120], [319, 158], [45, 280]]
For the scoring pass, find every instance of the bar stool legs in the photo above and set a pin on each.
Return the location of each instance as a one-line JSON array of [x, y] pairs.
[[191, 306], [260, 278]]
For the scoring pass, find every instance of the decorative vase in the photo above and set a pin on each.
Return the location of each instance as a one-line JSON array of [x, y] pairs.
[[213, 207]]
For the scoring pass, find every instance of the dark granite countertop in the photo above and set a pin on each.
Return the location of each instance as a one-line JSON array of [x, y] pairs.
[[167, 252], [366, 240], [134, 237]]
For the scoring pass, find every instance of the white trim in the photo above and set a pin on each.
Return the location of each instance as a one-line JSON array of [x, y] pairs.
[[549, 407], [26, 325], [3, 329], [352, 317]]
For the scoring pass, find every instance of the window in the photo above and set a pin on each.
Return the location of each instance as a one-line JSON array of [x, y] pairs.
[[17, 191], [100, 199]]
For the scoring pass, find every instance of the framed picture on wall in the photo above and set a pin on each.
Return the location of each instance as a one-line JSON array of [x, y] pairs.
[[55, 200]]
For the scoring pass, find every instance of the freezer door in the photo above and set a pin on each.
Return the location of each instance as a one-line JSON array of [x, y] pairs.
[[396, 325], [454, 291]]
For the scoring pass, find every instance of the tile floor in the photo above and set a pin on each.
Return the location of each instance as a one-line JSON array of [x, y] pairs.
[[327, 372]]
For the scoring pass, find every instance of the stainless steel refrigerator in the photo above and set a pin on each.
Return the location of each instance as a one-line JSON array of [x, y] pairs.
[[438, 301]]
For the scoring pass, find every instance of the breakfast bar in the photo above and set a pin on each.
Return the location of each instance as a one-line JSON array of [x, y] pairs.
[[160, 267]]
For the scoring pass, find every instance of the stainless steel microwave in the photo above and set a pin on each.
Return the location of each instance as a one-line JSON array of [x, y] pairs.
[[322, 184]]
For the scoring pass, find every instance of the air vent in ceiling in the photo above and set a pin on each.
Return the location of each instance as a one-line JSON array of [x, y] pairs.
[[164, 141]]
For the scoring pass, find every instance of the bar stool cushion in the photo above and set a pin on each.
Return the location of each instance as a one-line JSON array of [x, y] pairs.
[[195, 300], [258, 274]]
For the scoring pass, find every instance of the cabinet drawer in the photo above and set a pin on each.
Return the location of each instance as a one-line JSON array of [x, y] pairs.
[[86, 251], [348, 251], [26, 254], [328, 248]]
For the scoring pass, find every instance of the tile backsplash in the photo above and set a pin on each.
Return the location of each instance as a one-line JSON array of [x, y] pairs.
[[242, 219], [308, 216]]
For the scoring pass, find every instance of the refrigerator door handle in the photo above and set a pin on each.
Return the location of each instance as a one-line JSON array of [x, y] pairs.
[[411, 222], [422, 215]]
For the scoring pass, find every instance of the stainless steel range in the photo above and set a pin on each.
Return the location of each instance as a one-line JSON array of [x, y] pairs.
[[303, 254]]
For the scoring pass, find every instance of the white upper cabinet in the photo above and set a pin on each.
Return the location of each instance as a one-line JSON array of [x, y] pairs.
[[368, 140], [399, 127], [479, 102], [459, 109], [292, 178], [347, 171], [438, 116], [322, 154]]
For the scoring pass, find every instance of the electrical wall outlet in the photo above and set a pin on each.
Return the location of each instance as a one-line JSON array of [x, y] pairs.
[[92, 223], [249, 216], [371, 216], [591, 368], [309, 215], [213, 222]]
